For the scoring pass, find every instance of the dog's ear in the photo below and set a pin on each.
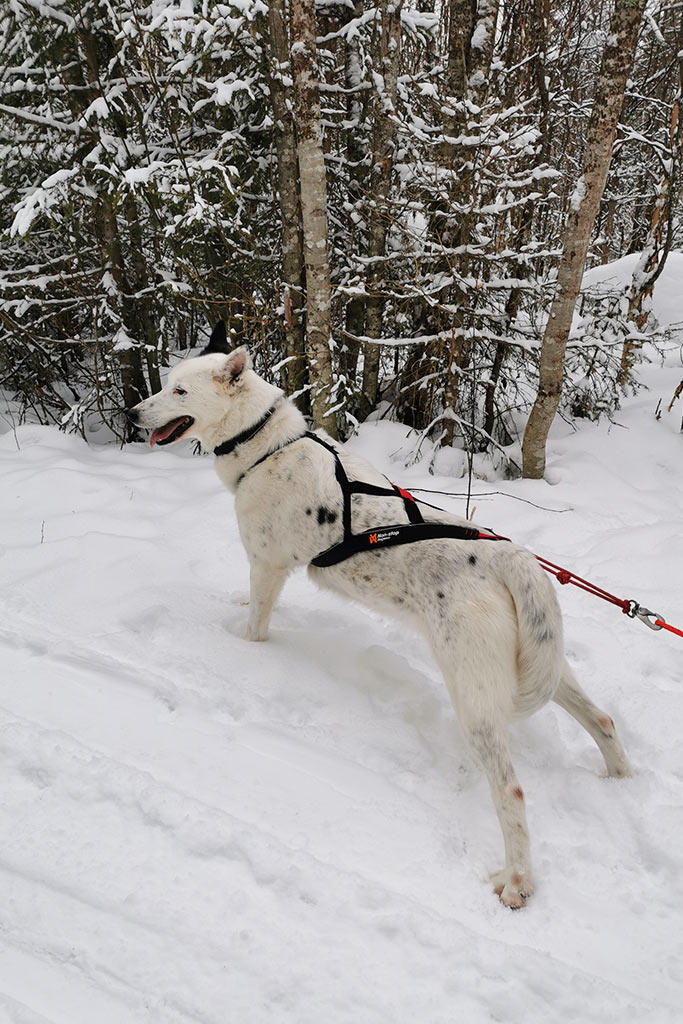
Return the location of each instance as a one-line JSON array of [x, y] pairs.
[[218, 342], [232, 370]]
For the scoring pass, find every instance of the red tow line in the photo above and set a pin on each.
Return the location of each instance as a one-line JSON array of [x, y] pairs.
[[630, 608]]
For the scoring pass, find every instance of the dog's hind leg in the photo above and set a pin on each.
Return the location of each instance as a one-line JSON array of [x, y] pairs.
[[571, 697], [265, 583], [481, 679], [514, 883]]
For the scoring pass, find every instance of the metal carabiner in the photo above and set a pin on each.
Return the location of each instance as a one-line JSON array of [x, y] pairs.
[[644, 614]]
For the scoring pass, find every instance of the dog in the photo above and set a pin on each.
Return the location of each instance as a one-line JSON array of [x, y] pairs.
[[487, 608]]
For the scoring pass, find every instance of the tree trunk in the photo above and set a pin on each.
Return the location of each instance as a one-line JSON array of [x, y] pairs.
[[354, 312], [607, 103], [129, 358], [539, 15], [470, 34], [313, 210], [660, 234], [144, 306], [380, 183], [296, 375]]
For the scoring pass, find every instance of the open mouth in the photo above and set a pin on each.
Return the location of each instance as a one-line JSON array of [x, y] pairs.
[[172, 431]]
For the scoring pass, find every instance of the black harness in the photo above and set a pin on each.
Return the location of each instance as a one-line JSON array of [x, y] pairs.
[[384, 536], [370, 540]]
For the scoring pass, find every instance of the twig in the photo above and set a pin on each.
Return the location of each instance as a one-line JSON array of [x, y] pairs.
[[486, 494], [677, 393]]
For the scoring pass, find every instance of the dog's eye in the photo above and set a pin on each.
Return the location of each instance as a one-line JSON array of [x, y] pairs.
[[179, 391]]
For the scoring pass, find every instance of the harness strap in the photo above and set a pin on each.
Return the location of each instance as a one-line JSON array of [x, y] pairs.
[[391, 536], [273, 451], [342, 480], [387, 536], [349, 487], [246, 435], [410, 503]]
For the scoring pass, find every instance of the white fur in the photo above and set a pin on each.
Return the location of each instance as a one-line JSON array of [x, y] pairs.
[[487, 608]]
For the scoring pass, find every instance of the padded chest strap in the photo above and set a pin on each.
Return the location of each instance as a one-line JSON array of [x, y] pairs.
[[390, 536]]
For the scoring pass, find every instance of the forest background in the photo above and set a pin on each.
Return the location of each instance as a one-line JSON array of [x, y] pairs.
[[376, 198]]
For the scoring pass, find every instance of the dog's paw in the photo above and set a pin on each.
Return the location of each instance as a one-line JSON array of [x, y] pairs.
[[257, 634], [512, 891], [619, 768]]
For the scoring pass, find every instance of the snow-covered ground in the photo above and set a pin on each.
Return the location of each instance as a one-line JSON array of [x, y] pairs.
[[199, 829], [667, 301]]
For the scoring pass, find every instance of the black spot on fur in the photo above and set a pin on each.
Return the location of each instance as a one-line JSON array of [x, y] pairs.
[[440, 594], [325, 515], [367, 579], [472, 559], [309, 511]]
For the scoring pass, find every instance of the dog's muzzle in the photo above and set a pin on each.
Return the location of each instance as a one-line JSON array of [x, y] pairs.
[[166, 434], [171, 431]]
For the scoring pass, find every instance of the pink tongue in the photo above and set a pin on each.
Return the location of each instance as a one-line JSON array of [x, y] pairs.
[[159, 433]]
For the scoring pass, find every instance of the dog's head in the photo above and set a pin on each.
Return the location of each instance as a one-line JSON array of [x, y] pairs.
[[198, 396]]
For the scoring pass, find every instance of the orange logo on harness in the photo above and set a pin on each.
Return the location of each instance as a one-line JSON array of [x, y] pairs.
[[373, 538]]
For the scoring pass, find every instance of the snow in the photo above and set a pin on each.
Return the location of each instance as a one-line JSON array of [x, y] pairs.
[[579, 194], [38, 200], [99, 108], [201, 829], [140, 175], [667, 301]]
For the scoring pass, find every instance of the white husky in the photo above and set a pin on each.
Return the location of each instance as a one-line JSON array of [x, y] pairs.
[[487, 608]]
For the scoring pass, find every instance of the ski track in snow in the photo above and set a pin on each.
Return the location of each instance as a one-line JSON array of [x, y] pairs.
[[198, 829]]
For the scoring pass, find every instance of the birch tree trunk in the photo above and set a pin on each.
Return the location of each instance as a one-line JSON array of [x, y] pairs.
[[380, 184], [616, 63], [296, 375], [313, 192]]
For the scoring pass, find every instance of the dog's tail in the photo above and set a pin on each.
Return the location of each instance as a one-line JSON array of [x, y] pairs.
[[540, 652]]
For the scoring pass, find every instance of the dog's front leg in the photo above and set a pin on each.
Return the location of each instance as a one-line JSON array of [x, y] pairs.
[[265, 583]]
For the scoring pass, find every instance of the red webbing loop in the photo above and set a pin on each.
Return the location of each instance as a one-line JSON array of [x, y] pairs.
[[406, 495], [565, 576]]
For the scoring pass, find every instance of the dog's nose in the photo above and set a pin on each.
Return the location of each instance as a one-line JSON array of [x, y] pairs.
[[133, 414]]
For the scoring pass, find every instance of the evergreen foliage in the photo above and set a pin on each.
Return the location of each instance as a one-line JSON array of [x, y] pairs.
[[140, 201]]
